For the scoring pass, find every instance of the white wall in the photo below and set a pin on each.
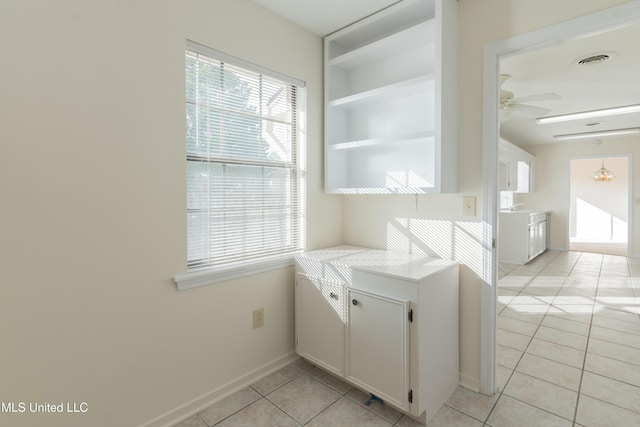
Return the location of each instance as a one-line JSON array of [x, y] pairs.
[[552, 182], [93, 221], [599, 210], [434, 223], [92, 183]]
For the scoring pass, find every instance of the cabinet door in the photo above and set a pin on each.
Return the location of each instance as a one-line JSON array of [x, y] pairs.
[[537, 238], [505, 173], [523, 172], [516, 168], [378, 346], [320, 313], [531, 242], [504, 179], [542, 236]]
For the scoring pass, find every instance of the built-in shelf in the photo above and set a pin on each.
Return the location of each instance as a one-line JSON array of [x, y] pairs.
[[417, 36], [385, 23], [391, 101], [401, 89], [379, 142]]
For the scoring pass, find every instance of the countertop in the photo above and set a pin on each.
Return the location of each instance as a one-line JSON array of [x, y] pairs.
[[524, 211], [339, 262]]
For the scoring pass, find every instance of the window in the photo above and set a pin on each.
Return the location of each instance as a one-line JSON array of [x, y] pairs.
[[245, 141]]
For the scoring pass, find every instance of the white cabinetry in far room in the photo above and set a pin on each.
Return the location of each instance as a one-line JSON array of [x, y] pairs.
[[516, 168], [391, 101], [522, 235], [386, 323]]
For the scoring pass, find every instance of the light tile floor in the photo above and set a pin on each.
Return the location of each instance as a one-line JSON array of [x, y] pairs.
[[568, 355]]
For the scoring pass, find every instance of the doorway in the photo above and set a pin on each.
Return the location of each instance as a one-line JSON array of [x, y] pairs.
[[599, 22], [599, 209]]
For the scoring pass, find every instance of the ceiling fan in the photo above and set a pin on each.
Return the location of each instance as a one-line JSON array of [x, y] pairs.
[[509, 104]]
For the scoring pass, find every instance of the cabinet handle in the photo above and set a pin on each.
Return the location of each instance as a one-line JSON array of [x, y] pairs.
[[333, 295], [354, 302]]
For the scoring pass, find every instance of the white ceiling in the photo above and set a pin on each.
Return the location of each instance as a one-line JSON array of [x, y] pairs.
[[608, 84], [552, 69], [323, 17]]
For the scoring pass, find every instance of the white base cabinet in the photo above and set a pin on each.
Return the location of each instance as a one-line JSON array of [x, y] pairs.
[[390, 328], [319, 323], [378, 346], [522, 236]]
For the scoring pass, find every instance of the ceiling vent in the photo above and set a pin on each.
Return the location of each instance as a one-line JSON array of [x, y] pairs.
[[593, 59]]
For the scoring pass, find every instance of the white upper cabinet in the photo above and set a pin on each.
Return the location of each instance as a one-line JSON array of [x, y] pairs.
[[391, 101], [516, 168]]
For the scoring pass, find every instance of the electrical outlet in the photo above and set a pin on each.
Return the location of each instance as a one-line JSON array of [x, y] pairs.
[[258, 318], [469, 206]]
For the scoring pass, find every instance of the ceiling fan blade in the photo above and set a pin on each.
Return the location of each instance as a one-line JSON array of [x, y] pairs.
[[505, 114], [530, 109], [538, 97], [503, 78]]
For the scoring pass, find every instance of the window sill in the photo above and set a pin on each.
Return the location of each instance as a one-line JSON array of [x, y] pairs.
[[212, 276]]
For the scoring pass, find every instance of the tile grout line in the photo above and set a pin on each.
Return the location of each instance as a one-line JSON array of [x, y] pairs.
[[322, 411], [588, 337], [328, 406], [611, 358], [532, 337], [611, 403], [464, 413], [538, 408], [524, 351], [292, 379], [264, 396], [586, 350], [239, 410]]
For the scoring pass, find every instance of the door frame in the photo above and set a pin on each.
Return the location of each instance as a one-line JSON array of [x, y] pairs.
[[589, 25], [629, 157]]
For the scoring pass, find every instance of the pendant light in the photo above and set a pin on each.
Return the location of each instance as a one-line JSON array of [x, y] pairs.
[[603, 174]]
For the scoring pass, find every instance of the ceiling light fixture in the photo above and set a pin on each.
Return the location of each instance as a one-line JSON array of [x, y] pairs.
[[627, 109], [586, 135], [603, 174]]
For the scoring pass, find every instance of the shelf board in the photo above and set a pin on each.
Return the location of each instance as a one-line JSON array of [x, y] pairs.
[[380, 190], [401, 89], [400, 15], [391, 140], [413, 37]]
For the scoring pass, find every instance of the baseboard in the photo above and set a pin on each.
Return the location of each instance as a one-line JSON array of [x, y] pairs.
[[470, 383], [183, 412]]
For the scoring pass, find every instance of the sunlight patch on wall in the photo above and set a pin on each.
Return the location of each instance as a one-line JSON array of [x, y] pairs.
[[407, 178], [597, 225], [451, 240]]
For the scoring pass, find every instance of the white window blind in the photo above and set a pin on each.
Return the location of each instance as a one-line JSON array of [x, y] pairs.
[[245, 142]]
